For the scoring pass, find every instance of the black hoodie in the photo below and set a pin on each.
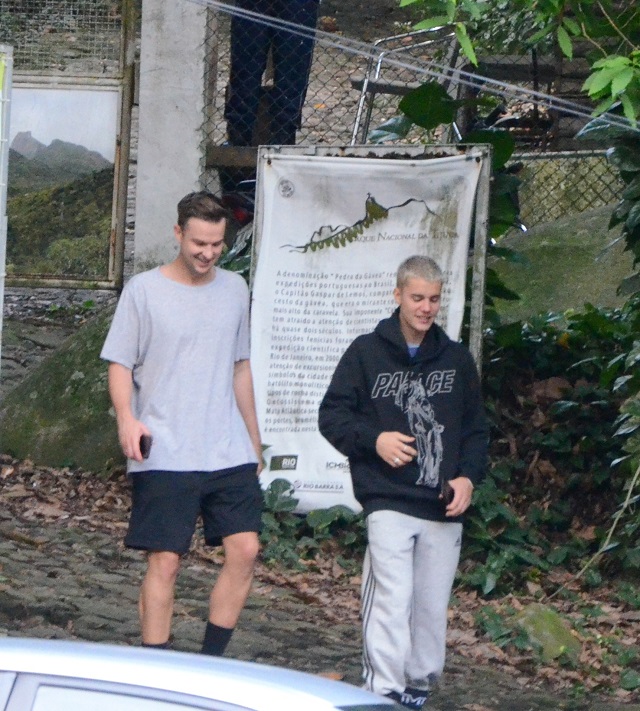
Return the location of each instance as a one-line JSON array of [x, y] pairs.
[[434, 396]]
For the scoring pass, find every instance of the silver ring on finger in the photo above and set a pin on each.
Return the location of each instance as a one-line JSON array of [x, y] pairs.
[[396, 461]]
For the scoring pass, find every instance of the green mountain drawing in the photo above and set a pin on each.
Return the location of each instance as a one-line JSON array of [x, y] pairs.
[[328, 236]]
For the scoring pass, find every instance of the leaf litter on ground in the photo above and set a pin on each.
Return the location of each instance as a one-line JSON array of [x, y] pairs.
[[608, 629]]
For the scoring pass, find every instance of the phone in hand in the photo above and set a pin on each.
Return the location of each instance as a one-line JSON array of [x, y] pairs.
[[145, 445], [447, 492]]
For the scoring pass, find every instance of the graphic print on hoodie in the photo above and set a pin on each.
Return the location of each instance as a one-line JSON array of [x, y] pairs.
[[411, 397]]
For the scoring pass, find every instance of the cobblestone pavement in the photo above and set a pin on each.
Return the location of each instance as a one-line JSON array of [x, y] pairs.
[[66, 583]]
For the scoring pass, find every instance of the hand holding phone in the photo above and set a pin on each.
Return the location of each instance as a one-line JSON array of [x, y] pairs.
[[446, 492], [145, 445]]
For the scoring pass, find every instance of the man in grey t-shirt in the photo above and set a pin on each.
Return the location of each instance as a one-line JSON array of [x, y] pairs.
[[179, 374]]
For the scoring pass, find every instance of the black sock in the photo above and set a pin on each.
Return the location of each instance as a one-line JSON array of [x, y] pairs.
[[163, 645], [215, 640]]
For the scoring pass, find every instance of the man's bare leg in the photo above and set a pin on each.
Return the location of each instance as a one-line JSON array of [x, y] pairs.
[[231, 590], [156, 597]]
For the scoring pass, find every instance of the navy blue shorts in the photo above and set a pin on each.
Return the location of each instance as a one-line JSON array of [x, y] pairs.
[[166, 505]]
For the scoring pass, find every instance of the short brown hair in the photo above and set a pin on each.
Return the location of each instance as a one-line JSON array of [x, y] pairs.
[[202, 205]]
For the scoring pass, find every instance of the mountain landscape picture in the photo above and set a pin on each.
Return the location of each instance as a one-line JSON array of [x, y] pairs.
[[59, 195], [59, 209]]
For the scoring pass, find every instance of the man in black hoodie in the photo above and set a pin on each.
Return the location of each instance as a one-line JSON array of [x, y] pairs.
[[404, 405]]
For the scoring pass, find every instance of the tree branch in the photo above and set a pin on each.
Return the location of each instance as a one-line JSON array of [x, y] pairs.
[[615, 27]]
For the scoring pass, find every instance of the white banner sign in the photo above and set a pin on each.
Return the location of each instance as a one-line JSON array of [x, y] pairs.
[[332, 233]]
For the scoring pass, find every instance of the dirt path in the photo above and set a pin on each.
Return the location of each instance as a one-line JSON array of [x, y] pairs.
[[64, 582]]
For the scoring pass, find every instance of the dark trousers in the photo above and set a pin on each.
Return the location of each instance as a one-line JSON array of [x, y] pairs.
[[291, 54]]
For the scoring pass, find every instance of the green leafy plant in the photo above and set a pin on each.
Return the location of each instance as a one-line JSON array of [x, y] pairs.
[[610, 29], [567, 441], [624, 154], [499, 628], [630, 680], [238, 257], [280, 526], [629, 594], [288, 538], [616, 78]]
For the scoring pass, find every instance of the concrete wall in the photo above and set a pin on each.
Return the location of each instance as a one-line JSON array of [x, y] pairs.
[[171, 94]]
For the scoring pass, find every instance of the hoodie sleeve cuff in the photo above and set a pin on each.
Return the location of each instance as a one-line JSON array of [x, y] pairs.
[[367, 439], [475, 478]]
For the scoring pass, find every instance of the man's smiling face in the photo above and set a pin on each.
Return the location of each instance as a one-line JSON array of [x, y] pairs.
[[419, 302]]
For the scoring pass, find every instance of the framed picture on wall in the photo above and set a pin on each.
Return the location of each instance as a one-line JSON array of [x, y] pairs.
[[60, 193]]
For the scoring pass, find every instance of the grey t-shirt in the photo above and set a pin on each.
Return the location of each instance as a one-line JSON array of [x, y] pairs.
[[181, 343]]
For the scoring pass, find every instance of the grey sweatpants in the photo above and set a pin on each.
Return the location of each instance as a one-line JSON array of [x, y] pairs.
[[407, 578]]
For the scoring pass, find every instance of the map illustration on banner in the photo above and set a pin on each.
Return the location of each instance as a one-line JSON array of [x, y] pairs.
[[331, 234]]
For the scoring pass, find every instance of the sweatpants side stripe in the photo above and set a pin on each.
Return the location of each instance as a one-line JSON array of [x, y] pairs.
[[368, 592]]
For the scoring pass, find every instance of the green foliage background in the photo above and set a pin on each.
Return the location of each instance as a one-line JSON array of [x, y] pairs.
[[63, 229]]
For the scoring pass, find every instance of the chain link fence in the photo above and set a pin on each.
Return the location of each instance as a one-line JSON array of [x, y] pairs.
[[353, 88], [556, 185], [246, 108], [334, 100], [73, 38]]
